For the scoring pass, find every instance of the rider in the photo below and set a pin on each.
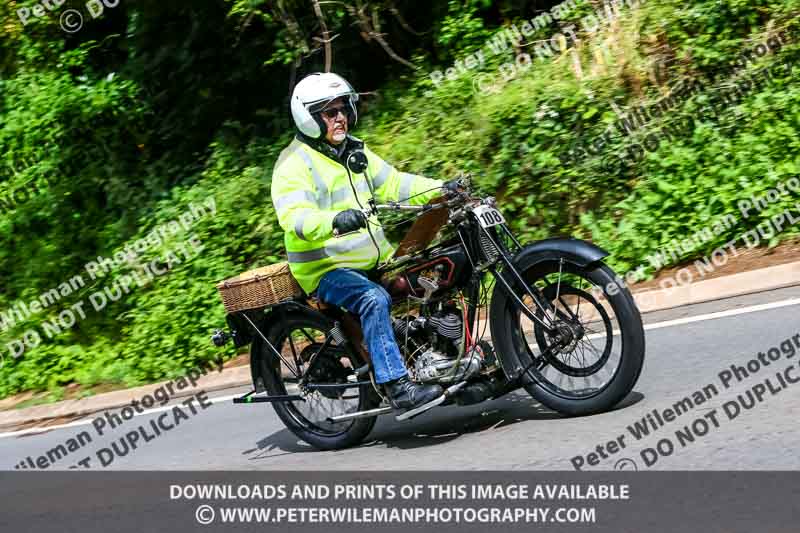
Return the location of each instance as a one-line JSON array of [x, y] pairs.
[[321, 185]]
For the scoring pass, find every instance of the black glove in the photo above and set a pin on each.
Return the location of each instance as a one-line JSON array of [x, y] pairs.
[[349, 220], [451, 187]]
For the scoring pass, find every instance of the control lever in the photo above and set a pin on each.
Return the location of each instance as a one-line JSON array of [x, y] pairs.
[[337, 234]]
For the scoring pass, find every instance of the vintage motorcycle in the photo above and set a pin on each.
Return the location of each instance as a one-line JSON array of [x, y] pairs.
[[562, 326]]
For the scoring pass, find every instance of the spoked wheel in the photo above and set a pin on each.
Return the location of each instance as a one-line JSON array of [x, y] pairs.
[[583, 344], [593, 354], [299, 338]]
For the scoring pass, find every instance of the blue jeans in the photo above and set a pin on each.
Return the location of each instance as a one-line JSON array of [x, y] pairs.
[[352, 290]]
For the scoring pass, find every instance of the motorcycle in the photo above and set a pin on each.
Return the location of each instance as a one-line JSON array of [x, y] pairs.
[[562, 326]]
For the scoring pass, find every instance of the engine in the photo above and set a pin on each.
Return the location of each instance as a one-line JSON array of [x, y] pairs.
[[438, 337], [433, 366]]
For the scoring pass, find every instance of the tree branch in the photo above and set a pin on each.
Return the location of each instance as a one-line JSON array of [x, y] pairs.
[[325, 35], [396, 12], [369, 32], [293, 26]]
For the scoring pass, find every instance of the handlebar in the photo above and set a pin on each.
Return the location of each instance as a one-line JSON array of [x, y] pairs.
[[392, 206], [451, 200]]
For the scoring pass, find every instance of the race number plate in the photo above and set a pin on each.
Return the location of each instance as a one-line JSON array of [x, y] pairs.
[[489, 216]]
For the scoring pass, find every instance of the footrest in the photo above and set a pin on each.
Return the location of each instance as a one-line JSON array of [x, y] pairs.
[[421, 409], [448, 392]]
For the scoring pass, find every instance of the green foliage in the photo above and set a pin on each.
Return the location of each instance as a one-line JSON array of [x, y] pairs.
[[158, 106], [463, 28]]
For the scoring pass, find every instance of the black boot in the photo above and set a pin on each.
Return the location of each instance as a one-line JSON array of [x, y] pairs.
[[405, 394]]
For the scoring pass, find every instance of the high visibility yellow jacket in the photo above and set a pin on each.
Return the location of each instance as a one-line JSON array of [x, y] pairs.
[[310, 188]]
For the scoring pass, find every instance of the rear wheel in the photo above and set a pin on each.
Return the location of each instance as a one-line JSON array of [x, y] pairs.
[[595, 355], [298, 338]]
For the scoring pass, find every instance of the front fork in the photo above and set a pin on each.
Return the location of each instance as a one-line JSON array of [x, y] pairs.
[[508, 277], [560, 329]]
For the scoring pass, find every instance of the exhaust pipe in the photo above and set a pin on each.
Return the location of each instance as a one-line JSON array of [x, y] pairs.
[[405, 416], [360, 414]]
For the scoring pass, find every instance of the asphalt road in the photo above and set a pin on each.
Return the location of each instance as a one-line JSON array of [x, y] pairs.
[[514, 432]]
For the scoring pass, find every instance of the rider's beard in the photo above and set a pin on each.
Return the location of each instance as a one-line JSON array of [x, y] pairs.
[[338, 136]]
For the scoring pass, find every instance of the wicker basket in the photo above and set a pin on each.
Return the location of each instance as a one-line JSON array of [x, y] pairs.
[[259, 288]]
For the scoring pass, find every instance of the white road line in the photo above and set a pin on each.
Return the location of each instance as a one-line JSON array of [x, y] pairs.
[[657, 325], [723, 314], [87, 422], [709, 316]]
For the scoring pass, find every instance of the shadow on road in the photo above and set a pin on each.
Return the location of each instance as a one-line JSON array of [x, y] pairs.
[[437, 427]]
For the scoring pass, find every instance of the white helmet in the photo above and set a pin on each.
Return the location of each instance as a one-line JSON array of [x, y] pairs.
[[313, 94]]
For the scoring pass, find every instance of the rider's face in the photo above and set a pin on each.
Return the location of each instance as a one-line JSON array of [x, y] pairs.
[[335, 118]]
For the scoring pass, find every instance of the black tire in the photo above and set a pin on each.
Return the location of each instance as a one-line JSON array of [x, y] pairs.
[[351, 432], [509, 338]]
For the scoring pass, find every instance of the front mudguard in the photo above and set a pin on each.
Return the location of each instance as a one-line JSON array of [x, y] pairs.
[[573, 251]]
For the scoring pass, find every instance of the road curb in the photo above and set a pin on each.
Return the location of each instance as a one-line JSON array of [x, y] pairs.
[[214, 381], [648, 300], [753, 281]]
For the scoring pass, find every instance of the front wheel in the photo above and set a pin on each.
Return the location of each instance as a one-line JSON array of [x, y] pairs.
[[592, 357]]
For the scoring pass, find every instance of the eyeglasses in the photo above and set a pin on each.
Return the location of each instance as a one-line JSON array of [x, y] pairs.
[[333, 112]]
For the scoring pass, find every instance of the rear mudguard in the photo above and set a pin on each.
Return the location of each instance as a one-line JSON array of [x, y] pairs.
[[574, 251]]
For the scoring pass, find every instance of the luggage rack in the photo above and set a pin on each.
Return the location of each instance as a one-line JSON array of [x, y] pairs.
[[269, 287], [220, 338]]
